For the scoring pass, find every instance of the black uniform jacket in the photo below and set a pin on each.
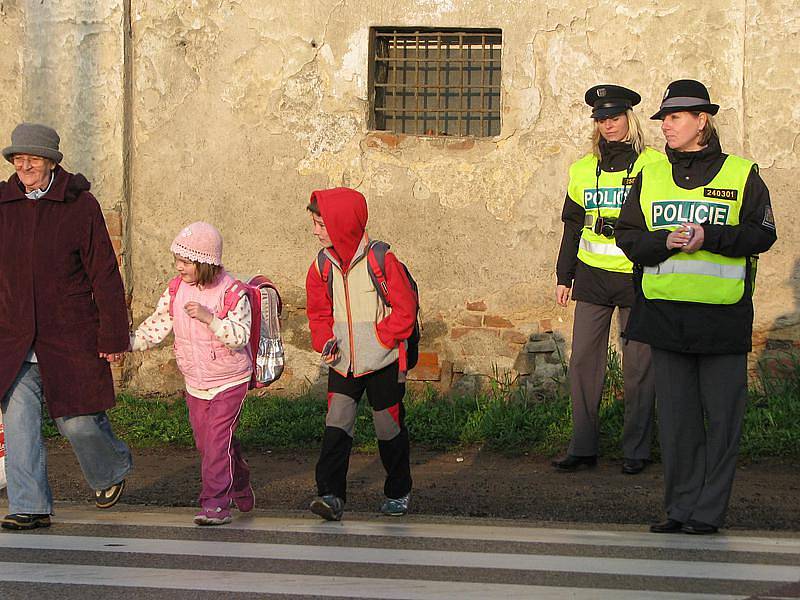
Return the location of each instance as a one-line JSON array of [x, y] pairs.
[[591, 284], [687, 326]]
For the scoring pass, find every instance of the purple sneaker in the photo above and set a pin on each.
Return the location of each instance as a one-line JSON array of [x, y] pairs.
[[246, 502], [213, 516]]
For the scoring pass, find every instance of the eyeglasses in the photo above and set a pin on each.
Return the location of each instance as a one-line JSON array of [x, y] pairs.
[[34, 161]]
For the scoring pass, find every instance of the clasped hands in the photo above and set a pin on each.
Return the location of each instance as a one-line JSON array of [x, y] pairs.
[[688, 238]]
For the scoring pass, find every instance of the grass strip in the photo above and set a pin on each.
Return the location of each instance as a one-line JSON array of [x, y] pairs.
[[502, 419]]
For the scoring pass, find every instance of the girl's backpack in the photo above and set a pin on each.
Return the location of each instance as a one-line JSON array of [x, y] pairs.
[[266, 345], [376, 257]]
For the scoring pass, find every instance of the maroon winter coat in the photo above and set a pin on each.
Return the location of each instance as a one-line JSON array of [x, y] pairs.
[[60, 292]]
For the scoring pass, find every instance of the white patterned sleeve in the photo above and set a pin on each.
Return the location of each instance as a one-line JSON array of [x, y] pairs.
[[155, 328], [234, 329]]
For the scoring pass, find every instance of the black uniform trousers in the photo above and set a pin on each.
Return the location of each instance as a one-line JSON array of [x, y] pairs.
[[701, 403], [385, 395]]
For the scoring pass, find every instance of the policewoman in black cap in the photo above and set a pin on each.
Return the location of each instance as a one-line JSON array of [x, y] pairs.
[[597, 275], [693, 226]]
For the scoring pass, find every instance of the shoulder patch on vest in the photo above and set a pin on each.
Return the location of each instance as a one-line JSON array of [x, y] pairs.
[[769, 218]]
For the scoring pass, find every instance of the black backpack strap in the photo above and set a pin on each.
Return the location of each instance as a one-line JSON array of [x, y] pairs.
[[324, 268]]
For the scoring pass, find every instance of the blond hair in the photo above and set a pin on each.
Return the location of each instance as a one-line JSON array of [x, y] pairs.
[[635, 135]]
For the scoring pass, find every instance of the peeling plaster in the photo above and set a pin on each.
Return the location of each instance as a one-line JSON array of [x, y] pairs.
[[221, 78]]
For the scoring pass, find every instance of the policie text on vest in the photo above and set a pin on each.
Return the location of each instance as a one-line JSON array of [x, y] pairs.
[[669, 213]]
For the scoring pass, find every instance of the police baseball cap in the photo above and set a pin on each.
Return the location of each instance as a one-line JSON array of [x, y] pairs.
[[608, 100], [685, 94]]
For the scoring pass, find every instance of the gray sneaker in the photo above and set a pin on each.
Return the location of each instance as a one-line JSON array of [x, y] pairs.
[[396, 507], [329, 507]]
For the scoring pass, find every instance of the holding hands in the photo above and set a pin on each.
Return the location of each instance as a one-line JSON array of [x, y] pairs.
[[688, 238]]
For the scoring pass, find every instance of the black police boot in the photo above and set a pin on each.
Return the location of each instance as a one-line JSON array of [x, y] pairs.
[[572, 463]]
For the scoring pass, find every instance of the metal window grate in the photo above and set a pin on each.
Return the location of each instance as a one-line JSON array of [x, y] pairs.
[[436, 82]]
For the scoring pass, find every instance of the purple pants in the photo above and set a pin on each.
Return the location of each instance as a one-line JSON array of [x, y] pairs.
[[223, 469]]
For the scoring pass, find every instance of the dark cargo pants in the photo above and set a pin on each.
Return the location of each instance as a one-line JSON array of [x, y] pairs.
[[385, 395]]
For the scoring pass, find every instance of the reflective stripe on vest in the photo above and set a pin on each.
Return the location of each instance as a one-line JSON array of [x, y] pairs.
[[603, 196], [698, 267], [703, 276], [603, 248]]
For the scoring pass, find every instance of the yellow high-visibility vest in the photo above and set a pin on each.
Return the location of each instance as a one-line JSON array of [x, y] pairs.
[[702, 276], [602, 196]]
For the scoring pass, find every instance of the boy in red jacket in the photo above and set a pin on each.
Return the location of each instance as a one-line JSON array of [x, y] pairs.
[[363, 341]]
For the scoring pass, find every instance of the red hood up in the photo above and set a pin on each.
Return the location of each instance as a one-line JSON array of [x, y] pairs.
[[345, 214]]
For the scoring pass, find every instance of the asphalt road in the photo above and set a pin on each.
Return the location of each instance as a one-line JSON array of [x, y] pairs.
[[135, 553]]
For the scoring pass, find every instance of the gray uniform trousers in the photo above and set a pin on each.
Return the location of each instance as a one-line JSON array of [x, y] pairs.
[[699, 461], [587, 368]]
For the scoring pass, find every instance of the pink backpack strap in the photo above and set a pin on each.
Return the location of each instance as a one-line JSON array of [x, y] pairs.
[[174, 284], [235, 292]]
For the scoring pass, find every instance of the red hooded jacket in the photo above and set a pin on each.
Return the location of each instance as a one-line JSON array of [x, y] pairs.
[[344, 212]]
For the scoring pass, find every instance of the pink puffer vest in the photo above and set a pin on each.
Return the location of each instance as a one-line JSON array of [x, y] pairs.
[[204, 360]]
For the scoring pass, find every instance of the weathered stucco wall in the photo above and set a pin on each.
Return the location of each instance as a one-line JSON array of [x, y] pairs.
[[238, 109], [62, 63], [11, 80]]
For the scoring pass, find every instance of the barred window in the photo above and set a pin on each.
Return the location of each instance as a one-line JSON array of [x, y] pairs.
[[435, 81]]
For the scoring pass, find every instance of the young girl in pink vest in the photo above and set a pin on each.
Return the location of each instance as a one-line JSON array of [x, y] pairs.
[[213, 356]]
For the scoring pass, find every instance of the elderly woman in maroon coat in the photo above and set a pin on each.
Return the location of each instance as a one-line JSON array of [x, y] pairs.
[[62, 320]]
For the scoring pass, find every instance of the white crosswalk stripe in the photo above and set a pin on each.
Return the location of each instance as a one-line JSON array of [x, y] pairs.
[[352, 587], [510, 533], [393, 560], [393, 556]]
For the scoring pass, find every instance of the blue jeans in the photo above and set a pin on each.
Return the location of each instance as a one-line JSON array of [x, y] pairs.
[[104, 459]]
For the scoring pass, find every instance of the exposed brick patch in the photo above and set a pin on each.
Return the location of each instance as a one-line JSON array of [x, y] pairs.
[[515, 337], [113, 223], [465, 144], [470, 320], [459, 332], [495, 321], [117, 244], [480, 305], [427, 369], [545, 326], [383, 140]]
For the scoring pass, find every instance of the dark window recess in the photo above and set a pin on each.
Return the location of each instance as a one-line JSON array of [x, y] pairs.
[[435, 82]]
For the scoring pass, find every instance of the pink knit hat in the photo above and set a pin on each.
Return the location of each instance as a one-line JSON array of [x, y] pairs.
[[201, 242]]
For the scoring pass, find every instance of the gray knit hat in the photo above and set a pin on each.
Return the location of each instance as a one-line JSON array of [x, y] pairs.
[[35, 139]]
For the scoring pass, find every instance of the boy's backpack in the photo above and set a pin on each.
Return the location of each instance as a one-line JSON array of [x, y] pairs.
[[376, 257], [266, 346]]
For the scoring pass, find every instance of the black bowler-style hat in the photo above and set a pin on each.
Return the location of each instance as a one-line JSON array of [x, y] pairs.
[[685, 94], [608, 100]]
